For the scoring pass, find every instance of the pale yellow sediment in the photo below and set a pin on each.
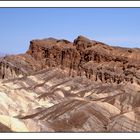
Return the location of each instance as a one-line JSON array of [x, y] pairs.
[[13, 123]]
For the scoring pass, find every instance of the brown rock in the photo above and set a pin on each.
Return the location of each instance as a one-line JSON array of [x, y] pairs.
[[90, 58], [80, 86]]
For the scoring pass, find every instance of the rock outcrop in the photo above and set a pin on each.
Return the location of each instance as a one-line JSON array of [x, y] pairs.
[[93, 59], [17, 66], [83, 57], [63, 86]]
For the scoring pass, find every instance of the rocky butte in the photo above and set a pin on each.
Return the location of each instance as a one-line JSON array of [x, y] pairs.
[[63, 86]]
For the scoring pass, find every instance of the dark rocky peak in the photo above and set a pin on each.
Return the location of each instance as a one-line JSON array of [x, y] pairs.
[[82, 43], [43, 42], [82, 38], [48, 48], [46, 39], [47, 43]]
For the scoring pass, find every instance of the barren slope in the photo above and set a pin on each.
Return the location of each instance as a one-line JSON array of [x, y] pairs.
[[62, 86]]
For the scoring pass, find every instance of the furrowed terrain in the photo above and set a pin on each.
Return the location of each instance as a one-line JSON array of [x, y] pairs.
[[63, 86]]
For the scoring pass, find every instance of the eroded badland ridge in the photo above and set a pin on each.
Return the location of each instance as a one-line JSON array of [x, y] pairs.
[[63, 86]]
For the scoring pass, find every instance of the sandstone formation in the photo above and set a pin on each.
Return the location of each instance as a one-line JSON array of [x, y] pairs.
[[63, 86], [92, 59]]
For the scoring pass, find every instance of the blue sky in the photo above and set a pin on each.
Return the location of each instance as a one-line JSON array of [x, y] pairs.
[[114, 26]]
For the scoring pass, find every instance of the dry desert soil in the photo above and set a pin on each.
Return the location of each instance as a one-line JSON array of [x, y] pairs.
[[63, 86]]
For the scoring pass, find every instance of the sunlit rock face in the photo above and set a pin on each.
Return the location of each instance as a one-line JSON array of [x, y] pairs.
[[63, 86], [93, 59]]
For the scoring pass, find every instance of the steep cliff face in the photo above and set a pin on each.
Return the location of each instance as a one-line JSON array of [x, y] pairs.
[[84, 57], [55, 53]]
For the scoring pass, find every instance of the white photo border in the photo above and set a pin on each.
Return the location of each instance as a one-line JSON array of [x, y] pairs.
[[49, 4]]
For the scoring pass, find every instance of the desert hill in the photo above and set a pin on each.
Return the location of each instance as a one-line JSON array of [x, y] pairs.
[[63, 86]]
